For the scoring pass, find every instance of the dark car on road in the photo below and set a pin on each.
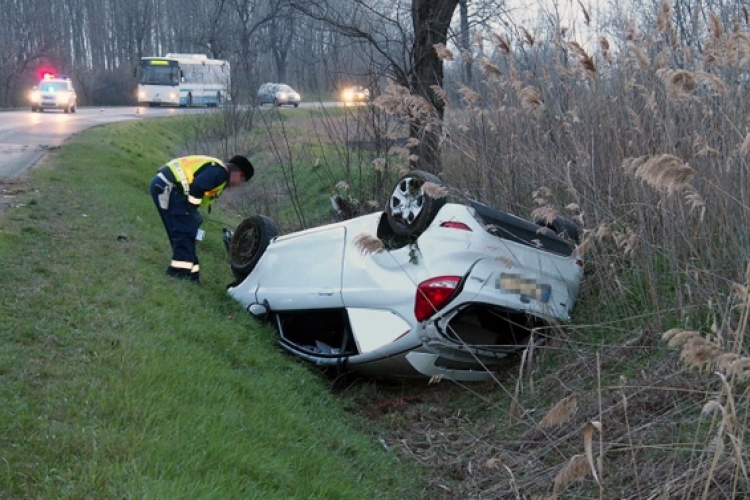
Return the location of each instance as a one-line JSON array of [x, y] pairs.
[[278, 94]]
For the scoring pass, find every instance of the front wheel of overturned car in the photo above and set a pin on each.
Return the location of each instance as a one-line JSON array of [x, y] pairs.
[[414, 202], [250, 240]]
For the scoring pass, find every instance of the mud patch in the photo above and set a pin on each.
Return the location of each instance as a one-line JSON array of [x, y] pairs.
[[11, 196]]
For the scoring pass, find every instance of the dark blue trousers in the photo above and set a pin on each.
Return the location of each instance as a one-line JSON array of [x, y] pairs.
[[181, 221]]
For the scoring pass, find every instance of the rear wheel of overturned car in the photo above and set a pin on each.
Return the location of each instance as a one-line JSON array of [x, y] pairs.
[[250, 240], [415, 200]]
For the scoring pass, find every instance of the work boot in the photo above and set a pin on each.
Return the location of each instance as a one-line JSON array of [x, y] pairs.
[[178, 273]]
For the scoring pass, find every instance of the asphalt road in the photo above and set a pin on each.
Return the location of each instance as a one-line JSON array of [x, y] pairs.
[[25, 137]]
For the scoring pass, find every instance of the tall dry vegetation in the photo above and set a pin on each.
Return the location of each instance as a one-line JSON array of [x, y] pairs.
[[644, 142]]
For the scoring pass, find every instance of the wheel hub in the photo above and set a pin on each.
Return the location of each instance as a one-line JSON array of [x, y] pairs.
[[407, 200]]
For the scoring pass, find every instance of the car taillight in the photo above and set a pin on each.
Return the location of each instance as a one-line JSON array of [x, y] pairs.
[[433, 294], [455, 225]]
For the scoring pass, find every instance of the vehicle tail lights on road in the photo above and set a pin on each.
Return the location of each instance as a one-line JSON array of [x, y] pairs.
[[433, 294]]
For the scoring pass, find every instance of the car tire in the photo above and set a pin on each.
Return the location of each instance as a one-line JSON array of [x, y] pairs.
[[66, 110], [34, 109], [563, 227], [249, 242], [410, 210], [74, 108]]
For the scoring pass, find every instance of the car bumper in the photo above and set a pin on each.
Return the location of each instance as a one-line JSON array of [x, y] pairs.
[[51, 105]]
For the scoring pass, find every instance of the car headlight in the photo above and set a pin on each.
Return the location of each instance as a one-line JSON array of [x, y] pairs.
[[62, 98], [141, 94], [35, 96], [347, 95], [282, 96]]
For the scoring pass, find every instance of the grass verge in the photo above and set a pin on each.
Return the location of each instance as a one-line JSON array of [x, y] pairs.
[[118, 382]]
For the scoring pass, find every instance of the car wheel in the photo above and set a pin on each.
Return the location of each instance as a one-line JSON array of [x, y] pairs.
[[410, 209], [250, 240], [563, 227], [296, 105], [34, 109], [74, 108], [66, 110]]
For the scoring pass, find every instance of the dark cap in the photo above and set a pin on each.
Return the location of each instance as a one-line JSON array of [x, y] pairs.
[[244, 165]]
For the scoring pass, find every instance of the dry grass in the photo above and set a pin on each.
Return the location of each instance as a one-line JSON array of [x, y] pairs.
[[644, 144], [646, 148]]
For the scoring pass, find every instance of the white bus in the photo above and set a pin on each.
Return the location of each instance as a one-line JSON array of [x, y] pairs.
[[182, 80]]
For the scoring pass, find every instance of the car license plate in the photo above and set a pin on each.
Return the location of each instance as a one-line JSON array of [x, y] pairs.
[[525, 287]]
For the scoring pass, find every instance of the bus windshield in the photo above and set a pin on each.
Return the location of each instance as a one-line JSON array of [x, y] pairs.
[[161, 73]]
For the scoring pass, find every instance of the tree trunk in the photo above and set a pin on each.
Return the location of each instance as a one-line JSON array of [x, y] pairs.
[[465, 42], [431, 19]]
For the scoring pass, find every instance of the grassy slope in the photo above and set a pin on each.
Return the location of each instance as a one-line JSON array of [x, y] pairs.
[[119, 382]]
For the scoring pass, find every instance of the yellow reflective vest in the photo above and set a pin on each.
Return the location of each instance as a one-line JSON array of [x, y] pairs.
[[184, 170]]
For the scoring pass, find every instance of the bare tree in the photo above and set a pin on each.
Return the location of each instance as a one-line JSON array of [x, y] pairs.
[[409, 51], [279, 37], [465, 40]]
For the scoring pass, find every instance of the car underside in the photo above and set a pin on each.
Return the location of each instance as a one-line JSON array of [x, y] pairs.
[[479, 332]]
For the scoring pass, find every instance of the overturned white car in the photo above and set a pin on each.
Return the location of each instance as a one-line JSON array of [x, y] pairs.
[[425, 288]]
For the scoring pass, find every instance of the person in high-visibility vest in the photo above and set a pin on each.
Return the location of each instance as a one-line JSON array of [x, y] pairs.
[[182, 186]]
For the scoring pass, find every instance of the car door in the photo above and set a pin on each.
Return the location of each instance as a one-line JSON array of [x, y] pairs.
[[302, 271]]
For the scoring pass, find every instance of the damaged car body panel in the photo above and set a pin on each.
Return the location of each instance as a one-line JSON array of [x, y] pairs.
[[450, 299]]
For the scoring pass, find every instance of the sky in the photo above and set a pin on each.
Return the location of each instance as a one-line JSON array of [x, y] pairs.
[[527, 13]]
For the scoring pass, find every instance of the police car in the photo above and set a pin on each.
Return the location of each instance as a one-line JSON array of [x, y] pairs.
[[54, 93]]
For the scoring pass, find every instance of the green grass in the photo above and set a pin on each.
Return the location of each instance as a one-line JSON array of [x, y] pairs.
[[119, 382]]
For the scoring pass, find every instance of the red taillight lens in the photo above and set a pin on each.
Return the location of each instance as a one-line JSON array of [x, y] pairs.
[[433, 294], [455, 225]]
